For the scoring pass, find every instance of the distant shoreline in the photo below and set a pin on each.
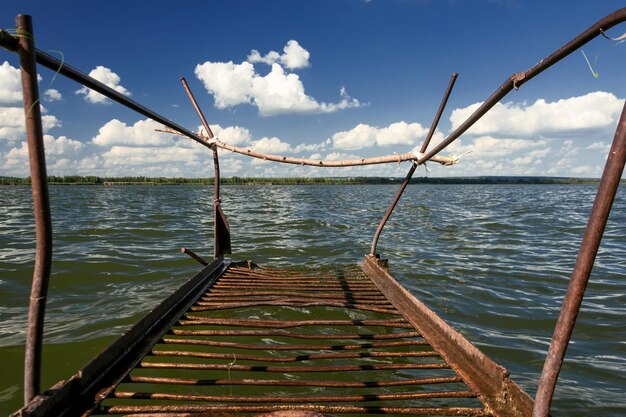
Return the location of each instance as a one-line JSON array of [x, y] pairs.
[[117, 181]]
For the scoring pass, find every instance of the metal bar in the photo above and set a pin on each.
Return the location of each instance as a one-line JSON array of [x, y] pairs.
[[294, 398], [207, 128], [194, 256], [295, 383], [7, 41], [266, 347], [207, 301], [409, 175], [293, 304], [188, 410], [285, 333], [41, 206], [234, 284], [250, 297], [518, 79], [480, 373], [299, 358], [582, 269], [221, 228], [77, 394], [302, 291], [307, 368], [399, 323]]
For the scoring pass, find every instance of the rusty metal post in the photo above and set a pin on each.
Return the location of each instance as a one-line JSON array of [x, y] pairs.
[[221, 228], [409, 175], [41, 203], [582, 269]]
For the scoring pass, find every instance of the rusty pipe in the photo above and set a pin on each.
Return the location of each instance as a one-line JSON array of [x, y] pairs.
[[221, 229], [582, 269], [41, 204], [518, 79], [409, 175]]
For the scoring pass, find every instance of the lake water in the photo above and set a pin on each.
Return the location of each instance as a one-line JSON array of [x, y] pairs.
[[493, 260]]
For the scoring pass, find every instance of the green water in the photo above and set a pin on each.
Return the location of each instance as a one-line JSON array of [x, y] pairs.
[[493, 260]]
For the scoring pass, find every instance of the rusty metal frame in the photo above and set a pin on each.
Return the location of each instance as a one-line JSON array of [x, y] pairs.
[[409, 175], [582, 269], [487, 379], [221, 228], [84, 389], [484, 376], [41, 203]]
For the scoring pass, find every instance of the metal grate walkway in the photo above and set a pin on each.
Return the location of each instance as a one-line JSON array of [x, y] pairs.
[[264, 340]]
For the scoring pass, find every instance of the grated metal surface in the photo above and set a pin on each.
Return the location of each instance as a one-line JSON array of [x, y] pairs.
[[264, 340]]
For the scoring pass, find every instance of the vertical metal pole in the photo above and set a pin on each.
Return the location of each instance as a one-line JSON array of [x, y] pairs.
[[409, 175], [41, 203], [221, 228], [582, 269]]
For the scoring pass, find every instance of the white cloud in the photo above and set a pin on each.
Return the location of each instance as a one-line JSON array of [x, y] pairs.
[[52, 95], [363, 135], [12, 124], [10, 84], [597, 110], [491, 147], [107, 77], [142, 133], [233, 135], [62, 156], [274, 93], [294, 56], [600, 146], [271, 145]]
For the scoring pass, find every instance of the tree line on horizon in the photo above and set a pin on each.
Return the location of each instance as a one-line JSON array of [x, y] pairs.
[[142, 180]]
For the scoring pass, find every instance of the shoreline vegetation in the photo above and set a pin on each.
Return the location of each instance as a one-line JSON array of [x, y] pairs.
[[113, 181]]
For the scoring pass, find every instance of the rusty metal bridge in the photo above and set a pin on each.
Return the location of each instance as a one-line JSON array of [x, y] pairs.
[[372, 348]]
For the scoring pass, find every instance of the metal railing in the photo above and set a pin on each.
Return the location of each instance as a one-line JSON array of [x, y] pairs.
[[23, 44]]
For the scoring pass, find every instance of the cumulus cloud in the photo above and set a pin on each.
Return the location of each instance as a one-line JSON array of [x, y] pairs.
[[275, 93], [107, 77], [294, 56], [233, 135], [52, 95], [271, 145], [363, 135], [142, 133], [600, 146], [62, 156], [12, 124], [597, 110], [10, 84]]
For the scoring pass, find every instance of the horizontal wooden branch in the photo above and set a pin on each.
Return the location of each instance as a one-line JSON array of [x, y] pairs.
[[327, 163]]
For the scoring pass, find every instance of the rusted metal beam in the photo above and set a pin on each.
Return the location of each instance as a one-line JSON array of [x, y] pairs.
[[244, 304], [41, 205], [275, 324], [299, 358], [283, 369], [221, 228], [189, 410], [295, 383], [264, 346], [84, 389], [9, 42], [489, 380], [294, 398], [582, 269], [285, 333], [194, 256], [409, 175]]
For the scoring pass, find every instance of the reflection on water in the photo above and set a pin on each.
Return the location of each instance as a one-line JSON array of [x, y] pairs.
[[493, 260]]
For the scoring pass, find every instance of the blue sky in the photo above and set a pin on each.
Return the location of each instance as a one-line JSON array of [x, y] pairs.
[[317, 79]]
